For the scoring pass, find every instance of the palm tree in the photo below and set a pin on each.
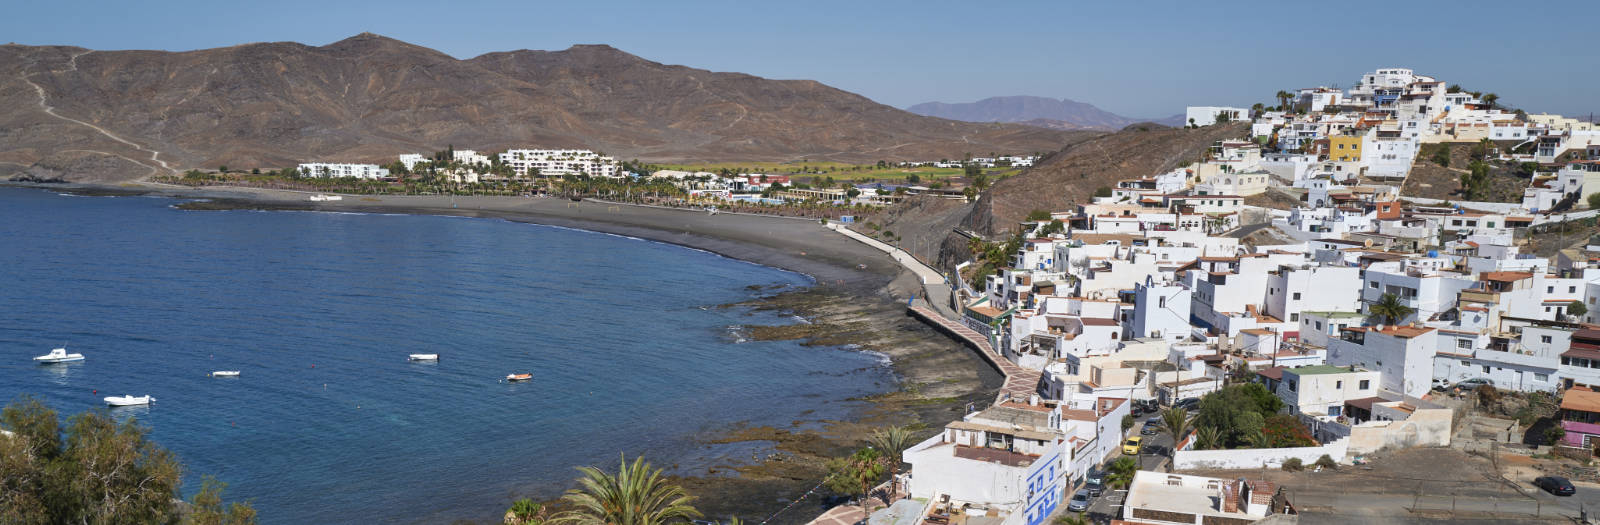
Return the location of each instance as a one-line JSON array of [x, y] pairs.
[[1283, 100], [892, 441], [1256, 438], [636, 495], [1176, 421], [856, 474], [1490, 99], [1207, 438], [1390, 308], [1120, 474]]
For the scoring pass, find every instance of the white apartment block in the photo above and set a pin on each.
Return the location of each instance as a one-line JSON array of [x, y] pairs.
[[1207, 115], [470, 157], [331, 170], [559, 162], [411, 160]]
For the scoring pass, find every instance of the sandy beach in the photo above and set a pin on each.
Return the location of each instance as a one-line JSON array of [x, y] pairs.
[[859, 300], [799, 245]]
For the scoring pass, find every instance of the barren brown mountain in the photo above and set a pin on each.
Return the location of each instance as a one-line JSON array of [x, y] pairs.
[[1059, 182], [109, 115]]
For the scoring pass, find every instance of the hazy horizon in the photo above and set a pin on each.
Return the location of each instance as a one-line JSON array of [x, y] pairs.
[[1133, 60]]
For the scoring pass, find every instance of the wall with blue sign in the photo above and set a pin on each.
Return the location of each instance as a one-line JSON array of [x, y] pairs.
[[1046, 482]]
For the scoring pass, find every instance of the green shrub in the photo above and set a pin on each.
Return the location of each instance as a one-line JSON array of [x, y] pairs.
[[1326, 461], [1293, 465], [1441, 156]]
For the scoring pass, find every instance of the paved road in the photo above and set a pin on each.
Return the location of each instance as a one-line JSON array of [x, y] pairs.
[[1157, 448], [1586, 499], [1486, 503], [1247, 229], [1107, 507]]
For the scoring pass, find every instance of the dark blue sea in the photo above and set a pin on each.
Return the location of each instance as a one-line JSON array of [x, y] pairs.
[[328, 422]]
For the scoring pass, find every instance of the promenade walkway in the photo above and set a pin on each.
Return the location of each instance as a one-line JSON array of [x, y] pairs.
[[925, 273], [1020, 382]]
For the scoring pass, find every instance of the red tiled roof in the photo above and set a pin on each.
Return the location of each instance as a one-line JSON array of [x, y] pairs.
[[1505, 277], [1581, 400]]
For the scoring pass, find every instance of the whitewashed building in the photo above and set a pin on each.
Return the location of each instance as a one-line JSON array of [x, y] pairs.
[[1208, 115], [559, 163], [331, 170]]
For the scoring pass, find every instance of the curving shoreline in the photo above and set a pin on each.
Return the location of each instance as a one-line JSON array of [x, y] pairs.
[[848, 305], [798, 245]]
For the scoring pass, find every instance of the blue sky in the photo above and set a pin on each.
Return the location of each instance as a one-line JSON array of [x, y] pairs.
[[1140, 59]]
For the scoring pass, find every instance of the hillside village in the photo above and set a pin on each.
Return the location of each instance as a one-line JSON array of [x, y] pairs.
[[1279, 301], [1359, 322]]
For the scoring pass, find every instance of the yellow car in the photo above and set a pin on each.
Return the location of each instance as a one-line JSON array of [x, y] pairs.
[[1131, 446]]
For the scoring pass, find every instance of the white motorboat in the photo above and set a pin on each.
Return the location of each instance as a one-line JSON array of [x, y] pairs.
[[512, 378], [124, 401], [324, 198], [225, 373], [423, 357], [58, 355]]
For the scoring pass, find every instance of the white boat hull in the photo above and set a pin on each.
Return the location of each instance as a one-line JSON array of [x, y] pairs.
[[124, 401], [423, 357], [58, 355], [225, 373]]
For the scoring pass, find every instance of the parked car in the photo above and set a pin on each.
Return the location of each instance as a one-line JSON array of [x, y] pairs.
[[1188, 403], [1094, 476], [1131, 446], [1555, 485], [1474, 383], [1151, 428], [1080, 501], [1095, 488]]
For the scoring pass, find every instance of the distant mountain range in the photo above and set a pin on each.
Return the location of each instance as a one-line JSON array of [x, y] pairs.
[[1044, 112], [112, 115]]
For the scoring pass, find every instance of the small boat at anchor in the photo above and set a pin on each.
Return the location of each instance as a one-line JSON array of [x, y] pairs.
[[518, 377], [125, 401], [423, 357], [225, 373], [58, 355]]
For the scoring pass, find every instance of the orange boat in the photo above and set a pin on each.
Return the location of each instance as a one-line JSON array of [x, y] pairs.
[[519, 377]]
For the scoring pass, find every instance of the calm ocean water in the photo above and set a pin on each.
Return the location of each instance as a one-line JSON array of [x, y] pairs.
[[328, 422]]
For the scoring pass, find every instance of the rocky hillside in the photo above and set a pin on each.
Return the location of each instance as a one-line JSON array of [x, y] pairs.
[[122, 114], [1034, 111], [1429, 179], [1061, 181], [1069, 177]]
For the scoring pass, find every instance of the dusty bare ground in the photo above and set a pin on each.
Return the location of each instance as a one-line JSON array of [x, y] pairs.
[[1430, 180]]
